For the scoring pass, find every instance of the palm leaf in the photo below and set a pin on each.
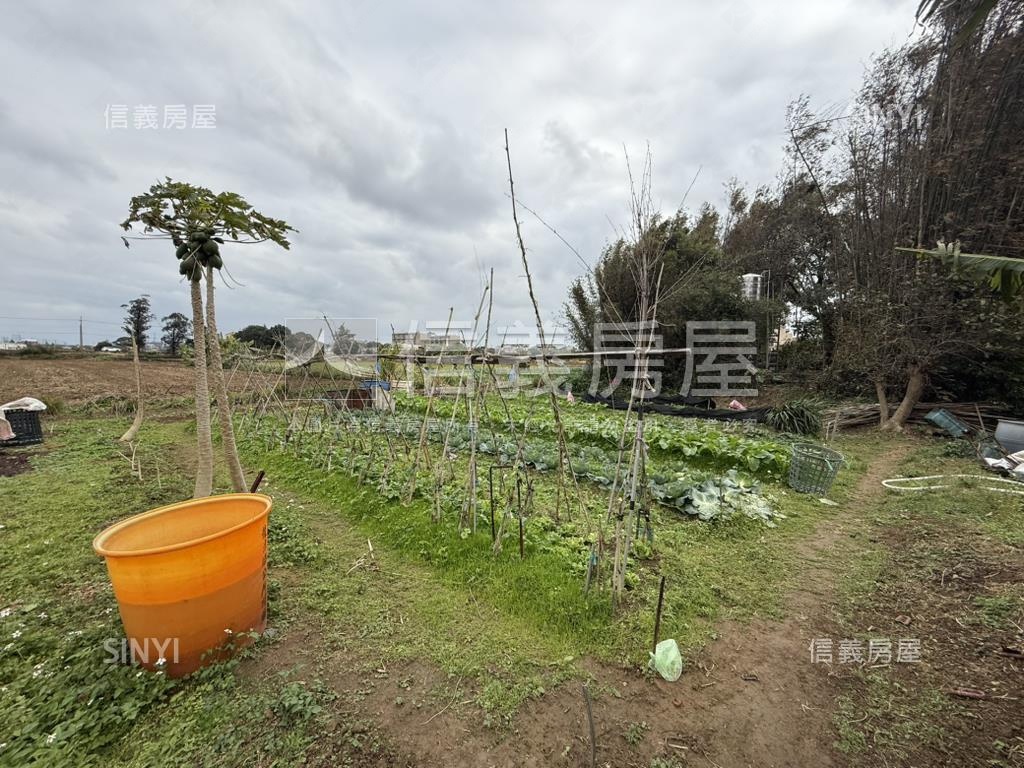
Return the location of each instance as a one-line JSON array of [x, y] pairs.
[[982, 8]]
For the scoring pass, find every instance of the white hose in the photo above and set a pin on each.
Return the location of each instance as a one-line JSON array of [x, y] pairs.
[[896, 483]]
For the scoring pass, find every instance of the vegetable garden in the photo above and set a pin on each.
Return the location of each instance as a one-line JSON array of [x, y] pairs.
[[472, 483]]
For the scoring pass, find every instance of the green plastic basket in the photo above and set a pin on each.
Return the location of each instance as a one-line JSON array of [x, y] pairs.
[[943, 419], [813, 468]]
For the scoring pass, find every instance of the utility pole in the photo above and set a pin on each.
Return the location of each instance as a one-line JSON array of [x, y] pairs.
[[81, 338]]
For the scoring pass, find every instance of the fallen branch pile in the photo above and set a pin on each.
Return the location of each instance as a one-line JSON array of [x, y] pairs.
[[867, 414]]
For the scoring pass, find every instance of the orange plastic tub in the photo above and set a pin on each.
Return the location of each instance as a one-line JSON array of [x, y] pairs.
[[189, 577]]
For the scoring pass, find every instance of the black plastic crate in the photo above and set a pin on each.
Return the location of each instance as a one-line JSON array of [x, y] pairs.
[[26, 426]]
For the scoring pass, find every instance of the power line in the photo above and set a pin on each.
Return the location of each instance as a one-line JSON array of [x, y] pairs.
[[58, 320]]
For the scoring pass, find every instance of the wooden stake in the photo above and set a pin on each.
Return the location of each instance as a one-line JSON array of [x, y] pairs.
[[657, 615]]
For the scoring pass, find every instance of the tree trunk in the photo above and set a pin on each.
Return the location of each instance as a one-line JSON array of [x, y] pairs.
[[828, 335], [227, 429], [883, 403], [133, 430], [915, 387], [204, 442]]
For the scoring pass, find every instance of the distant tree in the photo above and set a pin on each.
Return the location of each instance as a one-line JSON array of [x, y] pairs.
[[279, 335], [138, 319], [582, 313], [301, 346], [198, 222], [345, 342], [136, 324], [262, 337], [696, 284], [177, 329], [255, 336]]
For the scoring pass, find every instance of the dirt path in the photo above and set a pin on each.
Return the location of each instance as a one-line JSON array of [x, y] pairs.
[[753, 697]]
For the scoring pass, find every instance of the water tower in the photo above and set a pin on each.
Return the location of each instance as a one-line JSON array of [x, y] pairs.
[[751, 286]]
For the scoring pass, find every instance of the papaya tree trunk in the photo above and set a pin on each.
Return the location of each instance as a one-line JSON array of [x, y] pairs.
[[220, 390], [915, 387], [883, 403], [204, 441], [133, 430]]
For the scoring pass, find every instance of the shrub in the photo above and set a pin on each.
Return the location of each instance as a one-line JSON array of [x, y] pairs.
[[800, 417]]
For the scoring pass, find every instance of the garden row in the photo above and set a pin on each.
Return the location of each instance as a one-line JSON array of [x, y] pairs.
[[675, 484], [737, 445]]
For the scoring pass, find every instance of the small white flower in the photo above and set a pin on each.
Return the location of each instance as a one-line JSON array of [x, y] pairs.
[[161, 661], [16, 634], [5, 613], [44, 615], [228, 632], [51, 738]]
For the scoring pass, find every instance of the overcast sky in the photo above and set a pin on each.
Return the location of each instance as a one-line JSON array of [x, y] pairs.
[[375, 128]]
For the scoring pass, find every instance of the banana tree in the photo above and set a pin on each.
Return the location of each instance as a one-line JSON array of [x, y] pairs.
[[198, 222], [1003, 274]]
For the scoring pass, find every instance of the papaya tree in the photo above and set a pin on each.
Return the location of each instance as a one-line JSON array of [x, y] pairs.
[[198, 222]]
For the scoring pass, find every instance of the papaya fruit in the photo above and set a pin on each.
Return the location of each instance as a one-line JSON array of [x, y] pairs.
[[182, 251], [215, 261], [188, 265], [210, 248]]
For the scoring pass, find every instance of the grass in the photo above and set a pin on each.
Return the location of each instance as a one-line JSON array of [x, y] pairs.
[[61, 702], [499, 631], [913, 543]]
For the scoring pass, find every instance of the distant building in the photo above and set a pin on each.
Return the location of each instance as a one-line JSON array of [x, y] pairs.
[[419, 341], [409, 339], [12, 346], [515, 349]]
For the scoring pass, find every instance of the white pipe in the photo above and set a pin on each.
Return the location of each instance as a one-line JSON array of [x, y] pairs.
[[895, 483]]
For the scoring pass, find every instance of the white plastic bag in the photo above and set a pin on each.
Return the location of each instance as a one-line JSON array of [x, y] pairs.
[[667, 661]]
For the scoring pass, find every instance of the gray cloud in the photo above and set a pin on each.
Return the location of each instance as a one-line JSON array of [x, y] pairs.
[[376, 130]]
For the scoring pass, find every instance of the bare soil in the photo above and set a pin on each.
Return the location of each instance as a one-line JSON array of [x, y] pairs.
[[12, 464], [79, 380]]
